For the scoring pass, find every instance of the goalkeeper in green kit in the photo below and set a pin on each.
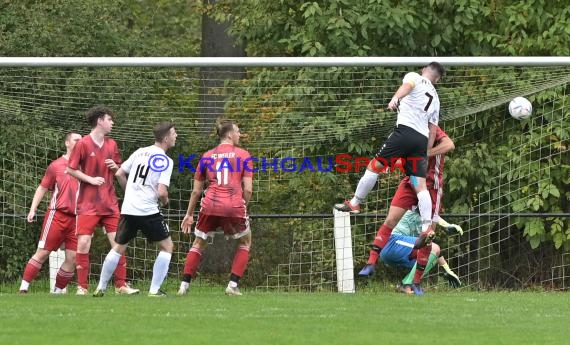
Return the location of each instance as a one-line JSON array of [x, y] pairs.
[[399, 251]]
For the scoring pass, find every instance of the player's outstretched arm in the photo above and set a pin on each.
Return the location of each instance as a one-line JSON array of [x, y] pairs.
[[450, 228], [38, 196]]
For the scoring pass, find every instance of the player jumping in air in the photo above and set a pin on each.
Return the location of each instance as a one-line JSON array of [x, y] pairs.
[[418, 106], [405, 198]]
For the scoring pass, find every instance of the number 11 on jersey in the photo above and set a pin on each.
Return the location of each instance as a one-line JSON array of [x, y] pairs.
[[221, 174]]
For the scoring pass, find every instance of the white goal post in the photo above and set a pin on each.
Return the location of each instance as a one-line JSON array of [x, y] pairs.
[[56, 259]]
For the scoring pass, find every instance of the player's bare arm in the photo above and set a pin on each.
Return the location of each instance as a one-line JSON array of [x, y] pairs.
[[402, 92], [38, 196], [247, 189], [432, 134], [445, 145], [81, 176], [162, 195], [194, 196], [122, 178]]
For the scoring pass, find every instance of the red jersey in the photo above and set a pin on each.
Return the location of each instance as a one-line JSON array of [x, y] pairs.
[[63, 186], [434, 176], [224, 167], [90, 158]]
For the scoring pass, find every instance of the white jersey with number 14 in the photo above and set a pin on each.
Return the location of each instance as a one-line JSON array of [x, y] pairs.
[[420, 106], [145, 173]]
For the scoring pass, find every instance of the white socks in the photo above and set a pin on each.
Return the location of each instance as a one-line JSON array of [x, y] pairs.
[[109, 266], [424, 205], [159, 271], [24, 286], [365, 185]]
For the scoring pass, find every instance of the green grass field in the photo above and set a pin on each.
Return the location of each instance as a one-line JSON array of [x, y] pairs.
[[207, 316]]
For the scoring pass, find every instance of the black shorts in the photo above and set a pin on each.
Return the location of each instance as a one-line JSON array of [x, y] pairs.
[[405, 142], [153, 227]]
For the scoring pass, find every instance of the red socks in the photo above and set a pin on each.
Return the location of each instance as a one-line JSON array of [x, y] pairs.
[[382, 237], [82, 267], [62, 279], [32, 269], [192, 261], [121, 272], [422, 260], [240, 260]]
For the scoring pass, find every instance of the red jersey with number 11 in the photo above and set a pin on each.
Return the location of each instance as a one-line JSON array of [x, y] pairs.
[[88, 157], [224, 167]]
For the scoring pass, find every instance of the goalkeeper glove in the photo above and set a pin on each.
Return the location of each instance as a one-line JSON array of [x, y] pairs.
[[454, 228], [452, 279]]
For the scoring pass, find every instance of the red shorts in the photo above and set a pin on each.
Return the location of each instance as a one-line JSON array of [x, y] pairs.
[[86, 223], [58, 228], [406, 197], [234, 227]]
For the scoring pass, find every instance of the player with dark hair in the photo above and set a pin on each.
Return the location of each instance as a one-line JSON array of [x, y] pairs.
[[149, 171], [94, 162], [229, 175], [418, 106], [59, 222], [405, 198]]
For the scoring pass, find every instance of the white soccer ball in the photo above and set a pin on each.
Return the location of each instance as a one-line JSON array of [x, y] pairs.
[[520, 108]]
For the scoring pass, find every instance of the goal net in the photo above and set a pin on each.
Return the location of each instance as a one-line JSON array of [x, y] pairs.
[[506, 183]]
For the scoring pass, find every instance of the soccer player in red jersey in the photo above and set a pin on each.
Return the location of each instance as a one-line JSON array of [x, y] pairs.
[[228, 171], [94, 162], [59, 222], [405, 198]]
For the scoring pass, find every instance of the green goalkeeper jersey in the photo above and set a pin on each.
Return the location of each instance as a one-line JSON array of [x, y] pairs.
[[409, 225]]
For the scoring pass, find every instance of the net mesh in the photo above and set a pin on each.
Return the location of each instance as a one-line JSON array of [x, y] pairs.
[[312, 112]]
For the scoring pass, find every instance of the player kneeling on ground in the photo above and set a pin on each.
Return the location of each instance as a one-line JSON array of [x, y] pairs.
[[146, 186], [399, 251]]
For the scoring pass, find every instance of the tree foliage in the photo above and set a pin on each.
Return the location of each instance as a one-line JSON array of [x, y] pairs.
[[401, 28], [99, 28]]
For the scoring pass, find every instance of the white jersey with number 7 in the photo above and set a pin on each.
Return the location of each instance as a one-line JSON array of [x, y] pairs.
[[420, 106]]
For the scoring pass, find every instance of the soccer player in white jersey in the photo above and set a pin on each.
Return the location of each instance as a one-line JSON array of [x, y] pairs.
[[418, 106], [399, 251], [149, 171]]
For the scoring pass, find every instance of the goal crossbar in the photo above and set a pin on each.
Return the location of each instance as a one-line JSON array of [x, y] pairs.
[[279, 61]]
